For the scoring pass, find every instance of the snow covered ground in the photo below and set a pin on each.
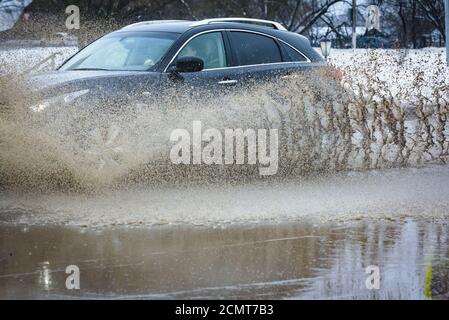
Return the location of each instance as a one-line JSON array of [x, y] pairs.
[[19, 60]]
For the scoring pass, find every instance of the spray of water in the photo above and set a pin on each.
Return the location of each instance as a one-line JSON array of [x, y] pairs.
[[324, 127]]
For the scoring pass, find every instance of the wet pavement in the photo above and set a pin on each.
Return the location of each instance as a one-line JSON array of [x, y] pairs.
[[269, 261]]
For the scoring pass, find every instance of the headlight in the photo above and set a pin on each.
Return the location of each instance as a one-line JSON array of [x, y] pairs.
[[61, 99]]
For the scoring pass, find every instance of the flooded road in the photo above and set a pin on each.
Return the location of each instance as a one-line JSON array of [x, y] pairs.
[[268, 261], [292, 239]]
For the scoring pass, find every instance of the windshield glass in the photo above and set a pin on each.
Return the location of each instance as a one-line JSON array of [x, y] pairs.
[[123, 52]]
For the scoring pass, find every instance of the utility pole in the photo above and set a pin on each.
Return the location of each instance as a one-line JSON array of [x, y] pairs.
[[354, 24], [446, 5]]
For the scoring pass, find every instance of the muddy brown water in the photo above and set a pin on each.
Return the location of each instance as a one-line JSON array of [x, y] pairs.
[[268, 261]]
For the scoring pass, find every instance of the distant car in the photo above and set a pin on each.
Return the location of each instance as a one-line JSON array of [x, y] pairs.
[[149, 57]]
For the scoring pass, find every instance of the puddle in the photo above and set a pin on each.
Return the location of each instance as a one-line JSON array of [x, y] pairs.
[[270, 261]]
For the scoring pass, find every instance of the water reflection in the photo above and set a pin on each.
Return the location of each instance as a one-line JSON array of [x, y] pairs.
[[403, 254], [44, 278], [294, 261]]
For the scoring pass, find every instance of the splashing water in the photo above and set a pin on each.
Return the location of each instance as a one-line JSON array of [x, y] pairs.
[[324, 127]]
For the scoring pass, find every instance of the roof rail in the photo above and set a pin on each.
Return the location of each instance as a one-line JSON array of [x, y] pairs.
[[152, 22], [273, 24]]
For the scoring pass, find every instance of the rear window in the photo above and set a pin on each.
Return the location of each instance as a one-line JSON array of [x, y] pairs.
[[293, 55], [251, 48]]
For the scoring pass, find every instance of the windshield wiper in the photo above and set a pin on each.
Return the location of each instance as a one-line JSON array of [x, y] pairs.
[[90, 69]]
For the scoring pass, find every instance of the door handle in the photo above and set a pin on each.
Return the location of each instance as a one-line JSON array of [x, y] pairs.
[[289, 76], [228, 82]]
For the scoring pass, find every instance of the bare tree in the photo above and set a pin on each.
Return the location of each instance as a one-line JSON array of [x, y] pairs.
[[410, 21], [434, 11], [413, 20], [301, 15]]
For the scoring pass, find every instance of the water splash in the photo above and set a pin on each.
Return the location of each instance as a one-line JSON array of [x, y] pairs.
[[324, 127]]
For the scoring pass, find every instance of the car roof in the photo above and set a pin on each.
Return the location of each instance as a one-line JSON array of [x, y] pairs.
[[181, 26], [177, 26]]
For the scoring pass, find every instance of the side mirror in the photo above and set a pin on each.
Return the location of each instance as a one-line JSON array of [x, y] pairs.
[[189, 64]]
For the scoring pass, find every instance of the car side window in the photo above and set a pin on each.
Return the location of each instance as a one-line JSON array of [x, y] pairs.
[[209, 47], [251, 48], [293, 55]]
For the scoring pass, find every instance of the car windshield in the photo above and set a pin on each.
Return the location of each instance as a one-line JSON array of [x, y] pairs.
[[123, 52]]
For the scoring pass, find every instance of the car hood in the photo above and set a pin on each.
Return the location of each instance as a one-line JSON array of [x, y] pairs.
[[84, 79]]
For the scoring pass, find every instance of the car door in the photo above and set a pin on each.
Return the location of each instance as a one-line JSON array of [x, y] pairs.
[[259, 57], [211, 47]]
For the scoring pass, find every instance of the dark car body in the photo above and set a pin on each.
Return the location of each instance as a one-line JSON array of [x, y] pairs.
[[117, 84]]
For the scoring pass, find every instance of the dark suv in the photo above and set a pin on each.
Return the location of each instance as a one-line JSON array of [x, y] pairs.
[[147, 56], [134, 66]]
